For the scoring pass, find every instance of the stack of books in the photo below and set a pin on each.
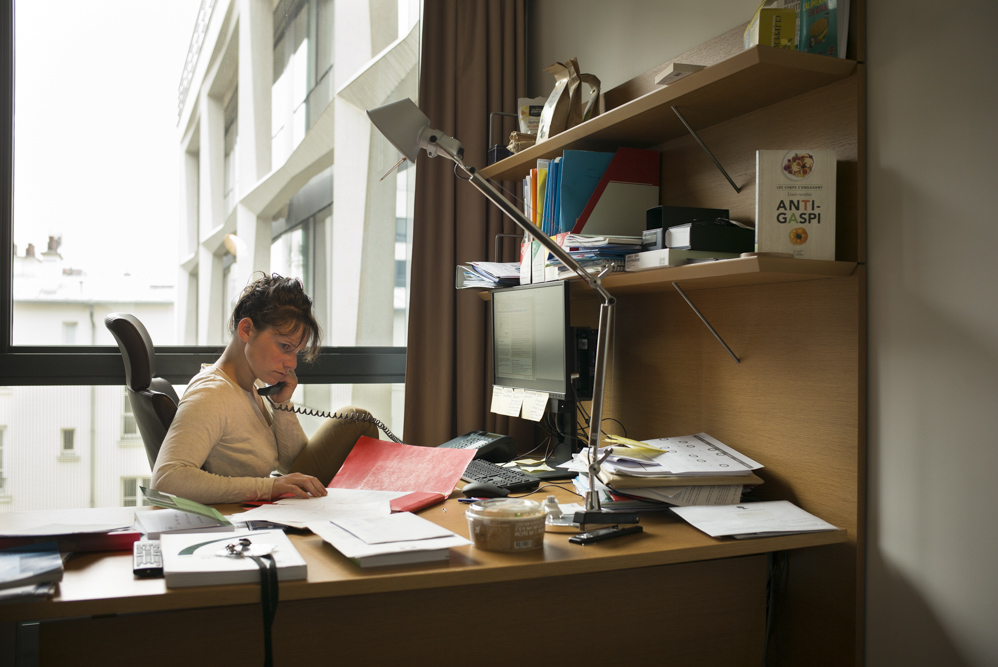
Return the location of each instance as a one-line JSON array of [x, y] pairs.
[[677, 471]]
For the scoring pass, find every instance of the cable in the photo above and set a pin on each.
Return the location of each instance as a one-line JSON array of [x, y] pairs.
[[353, 416]]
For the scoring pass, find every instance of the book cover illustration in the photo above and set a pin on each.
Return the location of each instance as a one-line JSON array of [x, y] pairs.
[[819, 27], [795, 203]]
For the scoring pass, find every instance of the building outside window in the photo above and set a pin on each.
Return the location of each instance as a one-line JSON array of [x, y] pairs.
[[68, 440], [131, 493], [278, 172]]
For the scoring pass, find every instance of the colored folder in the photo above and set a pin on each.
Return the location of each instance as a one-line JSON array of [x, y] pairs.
[[581, 172], [430, 474], [627, 189]]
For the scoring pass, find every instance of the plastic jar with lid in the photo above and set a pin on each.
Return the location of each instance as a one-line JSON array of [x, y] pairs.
[[506, 524]]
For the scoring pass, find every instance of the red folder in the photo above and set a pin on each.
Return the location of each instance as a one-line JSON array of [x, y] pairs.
[[629, 187], [429, 473]]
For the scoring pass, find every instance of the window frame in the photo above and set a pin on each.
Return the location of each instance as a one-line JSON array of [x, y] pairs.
[[102, 365]]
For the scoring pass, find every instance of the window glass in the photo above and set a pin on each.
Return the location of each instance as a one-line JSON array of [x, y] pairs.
[[99, 468], [163, 201], [182, 170]]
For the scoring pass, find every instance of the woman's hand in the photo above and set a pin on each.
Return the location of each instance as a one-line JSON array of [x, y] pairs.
[[290, 382], [298, 485]]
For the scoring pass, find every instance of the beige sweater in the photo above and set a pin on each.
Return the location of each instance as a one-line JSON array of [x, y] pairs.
[[224, 443]]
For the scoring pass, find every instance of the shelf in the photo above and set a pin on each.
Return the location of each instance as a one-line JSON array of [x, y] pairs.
[[724, 273], [711, 275], [750, 80]]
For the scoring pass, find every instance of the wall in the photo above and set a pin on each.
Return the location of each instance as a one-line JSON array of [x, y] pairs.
[[932, 595], [932, 592]]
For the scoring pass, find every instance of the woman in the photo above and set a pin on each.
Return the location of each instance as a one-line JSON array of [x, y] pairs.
[[226, 439]]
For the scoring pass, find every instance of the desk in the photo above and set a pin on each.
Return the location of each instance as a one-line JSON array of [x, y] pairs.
[[669, 591]]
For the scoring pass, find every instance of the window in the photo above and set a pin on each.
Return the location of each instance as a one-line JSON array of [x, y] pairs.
[[155, 245], [131, 493], [129, 429], [68, 443], [69, 333], [3, 461]]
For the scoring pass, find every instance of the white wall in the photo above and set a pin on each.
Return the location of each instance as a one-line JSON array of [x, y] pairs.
[[932, 589]]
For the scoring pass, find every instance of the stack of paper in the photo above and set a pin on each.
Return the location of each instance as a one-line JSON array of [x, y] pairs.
[[394, 539], [80, 529], [30, 571], [677, 471]]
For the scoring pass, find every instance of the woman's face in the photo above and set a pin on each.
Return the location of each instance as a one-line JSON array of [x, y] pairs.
[[271, 354]]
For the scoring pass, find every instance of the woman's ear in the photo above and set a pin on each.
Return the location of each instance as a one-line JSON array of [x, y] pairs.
[[244, 329]]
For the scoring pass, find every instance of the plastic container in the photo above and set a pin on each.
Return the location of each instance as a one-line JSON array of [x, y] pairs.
[[506, 524]]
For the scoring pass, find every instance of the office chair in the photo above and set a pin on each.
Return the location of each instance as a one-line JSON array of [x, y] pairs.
[[154, 401]]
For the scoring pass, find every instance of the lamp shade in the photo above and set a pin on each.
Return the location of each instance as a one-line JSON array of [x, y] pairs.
[[403, 124]]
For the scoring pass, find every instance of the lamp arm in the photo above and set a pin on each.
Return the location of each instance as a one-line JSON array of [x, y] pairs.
[[595, 283]]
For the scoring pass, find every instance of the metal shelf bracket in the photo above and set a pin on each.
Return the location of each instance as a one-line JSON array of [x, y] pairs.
[[706, 323], [706, 150]]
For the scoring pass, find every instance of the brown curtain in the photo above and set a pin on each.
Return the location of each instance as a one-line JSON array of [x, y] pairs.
[[472, 64]]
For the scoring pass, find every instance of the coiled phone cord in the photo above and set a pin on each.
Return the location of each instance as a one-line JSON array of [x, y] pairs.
[[352, 416]]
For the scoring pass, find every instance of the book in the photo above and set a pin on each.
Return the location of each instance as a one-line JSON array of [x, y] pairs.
[[200, 559], [621, 481], [795, 202], [428, 474], [30, 565], [155, 523], [719, 235], [656, 259], [772, 26], [819, 27]]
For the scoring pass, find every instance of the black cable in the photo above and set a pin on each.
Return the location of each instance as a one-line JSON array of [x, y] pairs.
[[269, 590], [353, 416]]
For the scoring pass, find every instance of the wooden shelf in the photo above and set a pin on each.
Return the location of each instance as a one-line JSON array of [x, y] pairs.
[[726, 273], [750, 80], [711, 275]]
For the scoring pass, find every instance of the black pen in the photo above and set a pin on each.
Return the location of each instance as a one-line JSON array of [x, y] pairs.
[[601, 534]]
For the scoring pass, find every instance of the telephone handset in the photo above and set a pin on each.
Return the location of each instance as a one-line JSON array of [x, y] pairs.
[[353, 416], [271, 390]]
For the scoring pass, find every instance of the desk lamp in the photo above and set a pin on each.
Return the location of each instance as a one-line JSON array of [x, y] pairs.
[[408, 129]]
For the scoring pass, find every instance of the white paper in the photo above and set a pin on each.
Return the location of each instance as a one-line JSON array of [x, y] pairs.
[[506, 401], [66, 522], [681, 496], [398, 527], [534, 405], [353, 547], [339, 503], [776, 517]]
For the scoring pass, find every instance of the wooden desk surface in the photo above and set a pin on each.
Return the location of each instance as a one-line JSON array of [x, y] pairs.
[[102, 583]]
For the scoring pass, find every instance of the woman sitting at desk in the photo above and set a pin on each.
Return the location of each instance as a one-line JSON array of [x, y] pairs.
[[225, 440]]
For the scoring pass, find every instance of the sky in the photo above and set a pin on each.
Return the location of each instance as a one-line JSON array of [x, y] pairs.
[[96, 142]]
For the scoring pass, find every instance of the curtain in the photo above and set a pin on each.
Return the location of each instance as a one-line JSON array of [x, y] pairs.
[[472, 64]]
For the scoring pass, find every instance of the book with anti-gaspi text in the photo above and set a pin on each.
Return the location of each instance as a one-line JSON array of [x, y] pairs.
[[795, 202]]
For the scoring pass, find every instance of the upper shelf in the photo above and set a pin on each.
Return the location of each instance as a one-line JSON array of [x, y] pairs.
[[750, 80], [725, 273]]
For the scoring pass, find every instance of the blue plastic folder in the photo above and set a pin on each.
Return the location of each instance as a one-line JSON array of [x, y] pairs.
[[581, 172]]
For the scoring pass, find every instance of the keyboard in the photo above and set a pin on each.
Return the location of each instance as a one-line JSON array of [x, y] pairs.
[[514, 479]]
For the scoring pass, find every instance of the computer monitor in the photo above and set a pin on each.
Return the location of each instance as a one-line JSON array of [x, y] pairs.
[[530, 333], [534, 348]]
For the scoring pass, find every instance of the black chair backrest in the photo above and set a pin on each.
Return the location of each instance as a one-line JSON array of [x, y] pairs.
[[154, 400]]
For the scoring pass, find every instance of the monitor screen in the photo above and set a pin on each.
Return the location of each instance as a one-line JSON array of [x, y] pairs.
[[530, 333]]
